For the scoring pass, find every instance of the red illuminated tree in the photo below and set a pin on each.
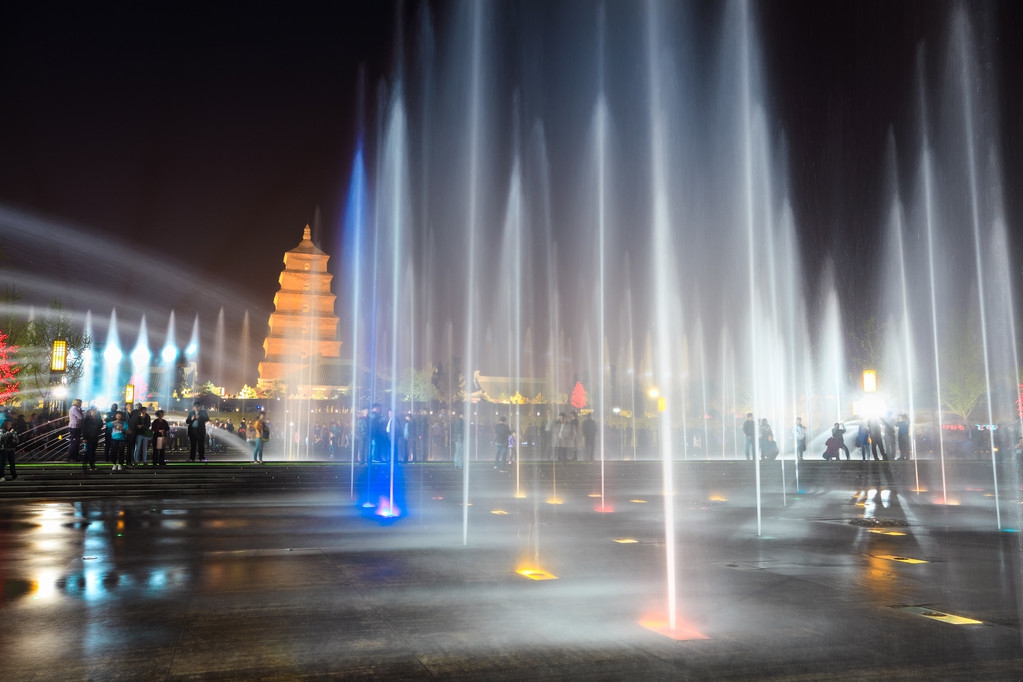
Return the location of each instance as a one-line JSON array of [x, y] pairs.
[[8, 370], [578, 400]]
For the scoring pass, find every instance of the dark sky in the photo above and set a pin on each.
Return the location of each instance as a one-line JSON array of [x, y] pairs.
[[205, 137]]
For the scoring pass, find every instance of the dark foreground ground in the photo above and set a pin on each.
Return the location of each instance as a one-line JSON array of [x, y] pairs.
[[247, 572]]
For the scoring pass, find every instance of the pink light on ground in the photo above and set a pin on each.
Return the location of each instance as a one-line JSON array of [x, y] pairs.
[[682, 631], [385, 509], [604, 509]]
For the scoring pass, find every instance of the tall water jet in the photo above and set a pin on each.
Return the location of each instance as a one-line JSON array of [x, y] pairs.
[[169, 362], [929, 219], [967, 79], [218, 350], [192, 357], [87, 384], [140, 357], [112, 356], [663, 275], [355, 225]]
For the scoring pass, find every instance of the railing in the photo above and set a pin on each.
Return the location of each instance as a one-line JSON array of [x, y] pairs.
[[46, 442]]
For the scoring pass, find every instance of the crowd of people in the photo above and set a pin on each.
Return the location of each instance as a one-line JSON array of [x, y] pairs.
[[130, 436]]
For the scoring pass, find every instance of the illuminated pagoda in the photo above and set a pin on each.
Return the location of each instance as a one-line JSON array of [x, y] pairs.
[[302, 349]]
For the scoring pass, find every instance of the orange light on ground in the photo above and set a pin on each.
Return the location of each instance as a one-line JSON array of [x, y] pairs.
[[520, 495], [680, 633], [555, 500], [593, 495], [718, 498], [437, 497], [638, 501], [536, 574]]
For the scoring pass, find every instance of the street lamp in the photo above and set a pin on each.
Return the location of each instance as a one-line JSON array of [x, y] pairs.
[[58, 356], [58, 366], [869, 381]]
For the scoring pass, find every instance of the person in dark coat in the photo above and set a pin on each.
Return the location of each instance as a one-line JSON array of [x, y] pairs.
[[92, 427]]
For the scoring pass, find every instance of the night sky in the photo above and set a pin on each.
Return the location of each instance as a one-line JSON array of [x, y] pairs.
[[191, 144]]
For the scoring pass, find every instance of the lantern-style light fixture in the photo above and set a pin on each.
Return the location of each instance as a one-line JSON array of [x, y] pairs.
[[58, 356]]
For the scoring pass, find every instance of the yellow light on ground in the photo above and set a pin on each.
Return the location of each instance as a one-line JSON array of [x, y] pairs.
[[869, 381], [662, 404], [878, 531], [903, 559], [941, 616], [499, 512], [536, 574], [520, 495], [626, 541], [718, 498], [593, 495], [555, 500], [58, 358], [638, 501]]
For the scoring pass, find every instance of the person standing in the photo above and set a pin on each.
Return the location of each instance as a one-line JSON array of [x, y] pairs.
[[749, 428], [799, 435], [8, 446], [131, 420], [458, 439], [118, 440], [877, 438], [92, 426], [74, 423], [590, 436], [143, 434], [556, 433], [547, 437], [863, 439], [501, 435], [196, 422], [361, 439], [902, 426], [161, 435], [255, 433], [380, 444], [109, 417]]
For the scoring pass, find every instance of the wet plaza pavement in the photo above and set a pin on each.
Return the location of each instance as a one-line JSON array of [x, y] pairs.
[[305, 585]]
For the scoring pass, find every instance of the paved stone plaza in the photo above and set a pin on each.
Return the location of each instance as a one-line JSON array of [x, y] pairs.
[[303, 585]]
